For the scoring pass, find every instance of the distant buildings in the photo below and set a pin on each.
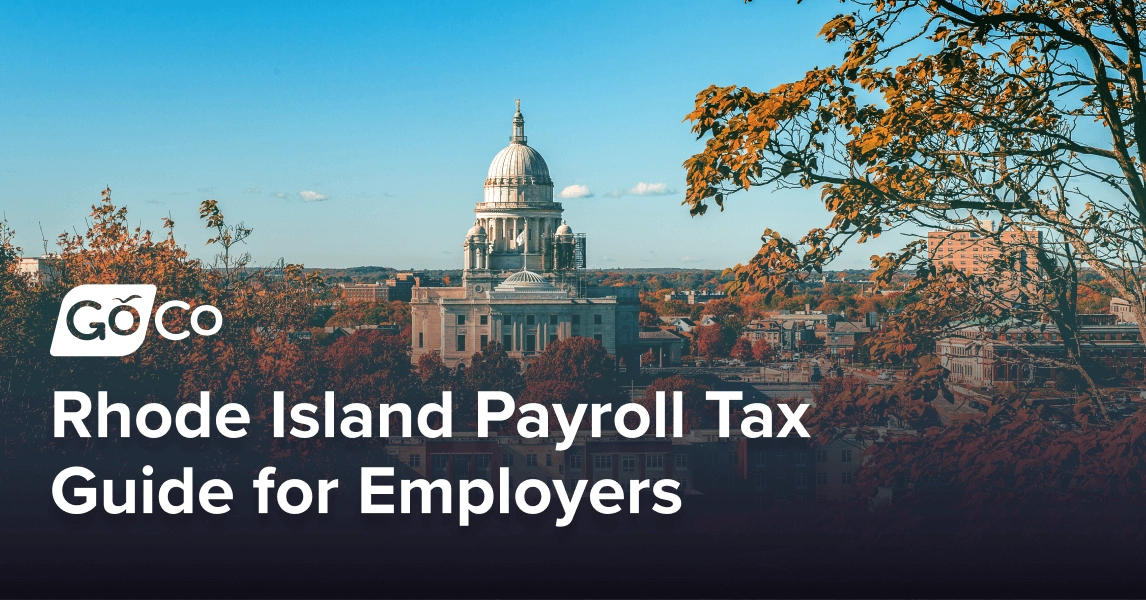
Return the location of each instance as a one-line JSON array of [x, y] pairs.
[[1028, 355], [666, 347], [1122, 311], [396, 288], [844, 338], [41, 269], [764, 329], [680, 324], [971, 251], [695, 296], [791, 332]]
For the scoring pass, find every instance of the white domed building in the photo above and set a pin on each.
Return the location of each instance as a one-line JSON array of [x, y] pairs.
[[522, 268]]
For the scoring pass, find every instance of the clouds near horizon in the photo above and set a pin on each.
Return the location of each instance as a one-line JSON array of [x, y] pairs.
[[576, 191], [644, 189]]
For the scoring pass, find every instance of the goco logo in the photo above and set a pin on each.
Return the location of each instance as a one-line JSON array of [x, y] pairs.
[[112, 320]]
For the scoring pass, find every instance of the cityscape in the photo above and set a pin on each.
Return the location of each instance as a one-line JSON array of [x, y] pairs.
[[524, 287], [883, 262]]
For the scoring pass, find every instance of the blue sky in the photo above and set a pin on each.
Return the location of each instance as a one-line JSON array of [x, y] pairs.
[[385, 117]]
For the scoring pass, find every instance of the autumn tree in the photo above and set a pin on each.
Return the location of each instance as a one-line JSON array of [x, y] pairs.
[[575, 369], [699, 413], [434, 376], [492, 369], [722, 307], [648, 358], [23, 315], [260, 304], [941, 114], [710, 341], [762, 350], [113, 251], [741, 350], [848, 405], [371, 367]]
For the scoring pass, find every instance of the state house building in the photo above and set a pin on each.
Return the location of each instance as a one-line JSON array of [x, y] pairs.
[[522, 280]]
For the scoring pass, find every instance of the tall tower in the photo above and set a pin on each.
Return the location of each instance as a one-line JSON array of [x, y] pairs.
[[518, 212]]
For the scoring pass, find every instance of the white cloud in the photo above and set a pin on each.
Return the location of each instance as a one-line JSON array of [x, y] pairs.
[[252, 191], [576, 191], [279, 194], [310, 196], [689, 259], [644, 189]]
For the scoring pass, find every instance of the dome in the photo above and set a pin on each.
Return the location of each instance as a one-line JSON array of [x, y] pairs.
[[525, 281], [518, 174], [518, 164], [564, 229], [476, 231]]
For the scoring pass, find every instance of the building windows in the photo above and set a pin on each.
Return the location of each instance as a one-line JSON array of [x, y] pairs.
[[441, 465], [574, 461], [461, 319], [654, 461], [821, 479], [628, 464], [597, 337], [507, 459], [781, 479], [602, 461], [596, 319], [846, 456], [552, 338], [759, 459], [484, 319], [507, 342], [760, 480], [531, 342], [461, 465], [552, 319], [484, 342], [461, 343], [482, 466], [801, 480], [846, 478], [531, 459], [576, 319], [682, 461], [420, 344], [530, 320], [548, 459], [507, 319], [414, 460], [800, 458]]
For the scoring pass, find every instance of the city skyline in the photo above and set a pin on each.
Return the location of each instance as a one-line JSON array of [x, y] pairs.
[[360, 135]]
